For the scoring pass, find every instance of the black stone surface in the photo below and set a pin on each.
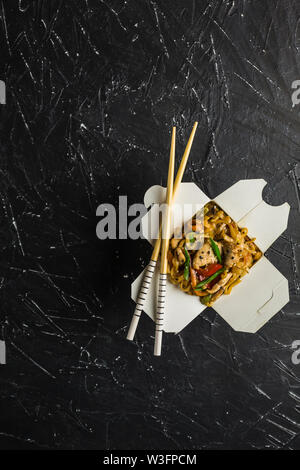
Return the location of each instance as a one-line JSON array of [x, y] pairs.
[[93, 88]]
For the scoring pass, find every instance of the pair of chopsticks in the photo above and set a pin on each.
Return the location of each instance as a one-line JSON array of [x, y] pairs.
[[161, 244]]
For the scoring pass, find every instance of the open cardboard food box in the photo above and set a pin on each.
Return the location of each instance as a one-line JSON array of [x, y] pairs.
[[262, 292]]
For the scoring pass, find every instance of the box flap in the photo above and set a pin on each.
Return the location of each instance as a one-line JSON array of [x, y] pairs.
[[280, 297], [266, 223], [241, 197], [259, 296], [244, 203], [155, 195]]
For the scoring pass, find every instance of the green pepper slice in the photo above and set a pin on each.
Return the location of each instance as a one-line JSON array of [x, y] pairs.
[[216, 250], [186, 272], [209, 279]]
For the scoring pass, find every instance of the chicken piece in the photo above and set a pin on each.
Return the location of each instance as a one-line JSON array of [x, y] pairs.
[[219, 284], [205, 256], [232, 254], [246, 260], [174, 242], [180, 255]]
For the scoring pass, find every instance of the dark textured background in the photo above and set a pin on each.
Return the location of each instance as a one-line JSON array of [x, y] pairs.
[[93, 88]]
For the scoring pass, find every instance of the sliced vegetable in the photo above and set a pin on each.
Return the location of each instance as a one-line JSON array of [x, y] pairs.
[[193, 277], [204, 300], [209, 279], [216, 250], [186, 272], [204, 273], [191, 237]]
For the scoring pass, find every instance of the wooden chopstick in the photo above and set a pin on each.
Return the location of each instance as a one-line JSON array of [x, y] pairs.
[[154, 257], [160, 313], [156, 249]]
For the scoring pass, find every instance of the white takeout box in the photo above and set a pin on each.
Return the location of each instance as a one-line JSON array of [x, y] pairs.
[[261, 293]]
